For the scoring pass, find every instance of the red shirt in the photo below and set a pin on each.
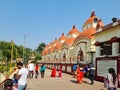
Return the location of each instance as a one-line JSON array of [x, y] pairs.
[[37, 67]]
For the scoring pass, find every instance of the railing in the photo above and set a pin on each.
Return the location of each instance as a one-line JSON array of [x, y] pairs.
[[66, 67], [6, 77], [2, 85]]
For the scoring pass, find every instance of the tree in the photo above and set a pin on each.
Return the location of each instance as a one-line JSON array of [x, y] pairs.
[[6, 48], [40, 48]]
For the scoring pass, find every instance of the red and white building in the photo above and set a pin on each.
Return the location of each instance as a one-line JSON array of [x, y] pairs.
[[67, 48], [107, 48]]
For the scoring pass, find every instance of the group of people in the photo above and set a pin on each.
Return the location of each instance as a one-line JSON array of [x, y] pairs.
[[19, 81], [54, 72], [80, 72], [35, 70], [88, 71]]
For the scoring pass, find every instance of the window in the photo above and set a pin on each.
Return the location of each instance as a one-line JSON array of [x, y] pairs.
[[106, 48]]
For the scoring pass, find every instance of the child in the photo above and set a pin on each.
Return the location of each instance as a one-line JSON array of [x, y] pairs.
[[60, 72], [15, 82]]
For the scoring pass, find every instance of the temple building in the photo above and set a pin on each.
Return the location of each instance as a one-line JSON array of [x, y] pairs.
[[76, 46], [108, 39], [107, 48], [96, 43], [67, 46], [84, 48], [52, 51]]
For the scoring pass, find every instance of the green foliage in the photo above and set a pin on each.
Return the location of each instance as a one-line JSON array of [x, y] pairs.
[[38, 52], [6, 50], [38, 57], [1, 68], [40, 48]]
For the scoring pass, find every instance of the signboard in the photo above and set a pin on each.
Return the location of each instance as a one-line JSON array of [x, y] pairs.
[[63, 68], [103, 66]]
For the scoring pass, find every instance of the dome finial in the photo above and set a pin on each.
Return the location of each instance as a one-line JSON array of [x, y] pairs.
[[62, 34], [55, 38], [93, 13], [73, 26]]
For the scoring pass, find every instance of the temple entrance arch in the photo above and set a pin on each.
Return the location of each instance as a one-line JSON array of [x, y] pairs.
[[64, 57], [80, 55]]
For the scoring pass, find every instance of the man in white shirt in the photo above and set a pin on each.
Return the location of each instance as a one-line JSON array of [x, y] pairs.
[[31, 69], [22, 77]]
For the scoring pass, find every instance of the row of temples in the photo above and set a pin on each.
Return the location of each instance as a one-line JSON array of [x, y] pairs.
[[84, 46]]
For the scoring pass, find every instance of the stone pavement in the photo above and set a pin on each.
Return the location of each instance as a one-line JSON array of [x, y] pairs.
[[66, 82]]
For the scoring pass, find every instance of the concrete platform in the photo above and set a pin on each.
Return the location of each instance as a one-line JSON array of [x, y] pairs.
[[66, 82]]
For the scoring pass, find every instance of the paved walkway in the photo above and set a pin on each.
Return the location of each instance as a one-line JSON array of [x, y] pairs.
[[66, 82]]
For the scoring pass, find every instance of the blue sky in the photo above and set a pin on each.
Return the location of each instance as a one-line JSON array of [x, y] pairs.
[[45, 20]]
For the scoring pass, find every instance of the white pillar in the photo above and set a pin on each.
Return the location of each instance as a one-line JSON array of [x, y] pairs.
[[115, 48], [97, 51]]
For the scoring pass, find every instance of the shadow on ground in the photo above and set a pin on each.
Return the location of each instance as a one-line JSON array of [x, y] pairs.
[[74, 81]]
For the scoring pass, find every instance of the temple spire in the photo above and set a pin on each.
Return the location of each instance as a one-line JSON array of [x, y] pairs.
[[62, 34], [92, 13], [73, 26]]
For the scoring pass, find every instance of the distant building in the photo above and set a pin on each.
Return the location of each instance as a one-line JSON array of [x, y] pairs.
[[19, 59], [32, 56]]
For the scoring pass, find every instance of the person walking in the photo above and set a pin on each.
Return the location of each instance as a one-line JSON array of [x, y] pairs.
[[22, 76], [112, 79], [36, 71], [31, 69], [91, 73], [42, 70], [74, 69], [60, 72], [80, 74], [53, 72]]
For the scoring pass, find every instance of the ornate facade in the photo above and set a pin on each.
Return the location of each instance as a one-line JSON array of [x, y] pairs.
[[76, 46]]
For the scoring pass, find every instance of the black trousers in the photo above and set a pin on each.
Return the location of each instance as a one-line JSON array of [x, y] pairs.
[[42, 74], [91, 77]]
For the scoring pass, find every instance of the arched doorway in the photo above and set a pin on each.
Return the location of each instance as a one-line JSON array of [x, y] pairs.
[[80, 55]]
